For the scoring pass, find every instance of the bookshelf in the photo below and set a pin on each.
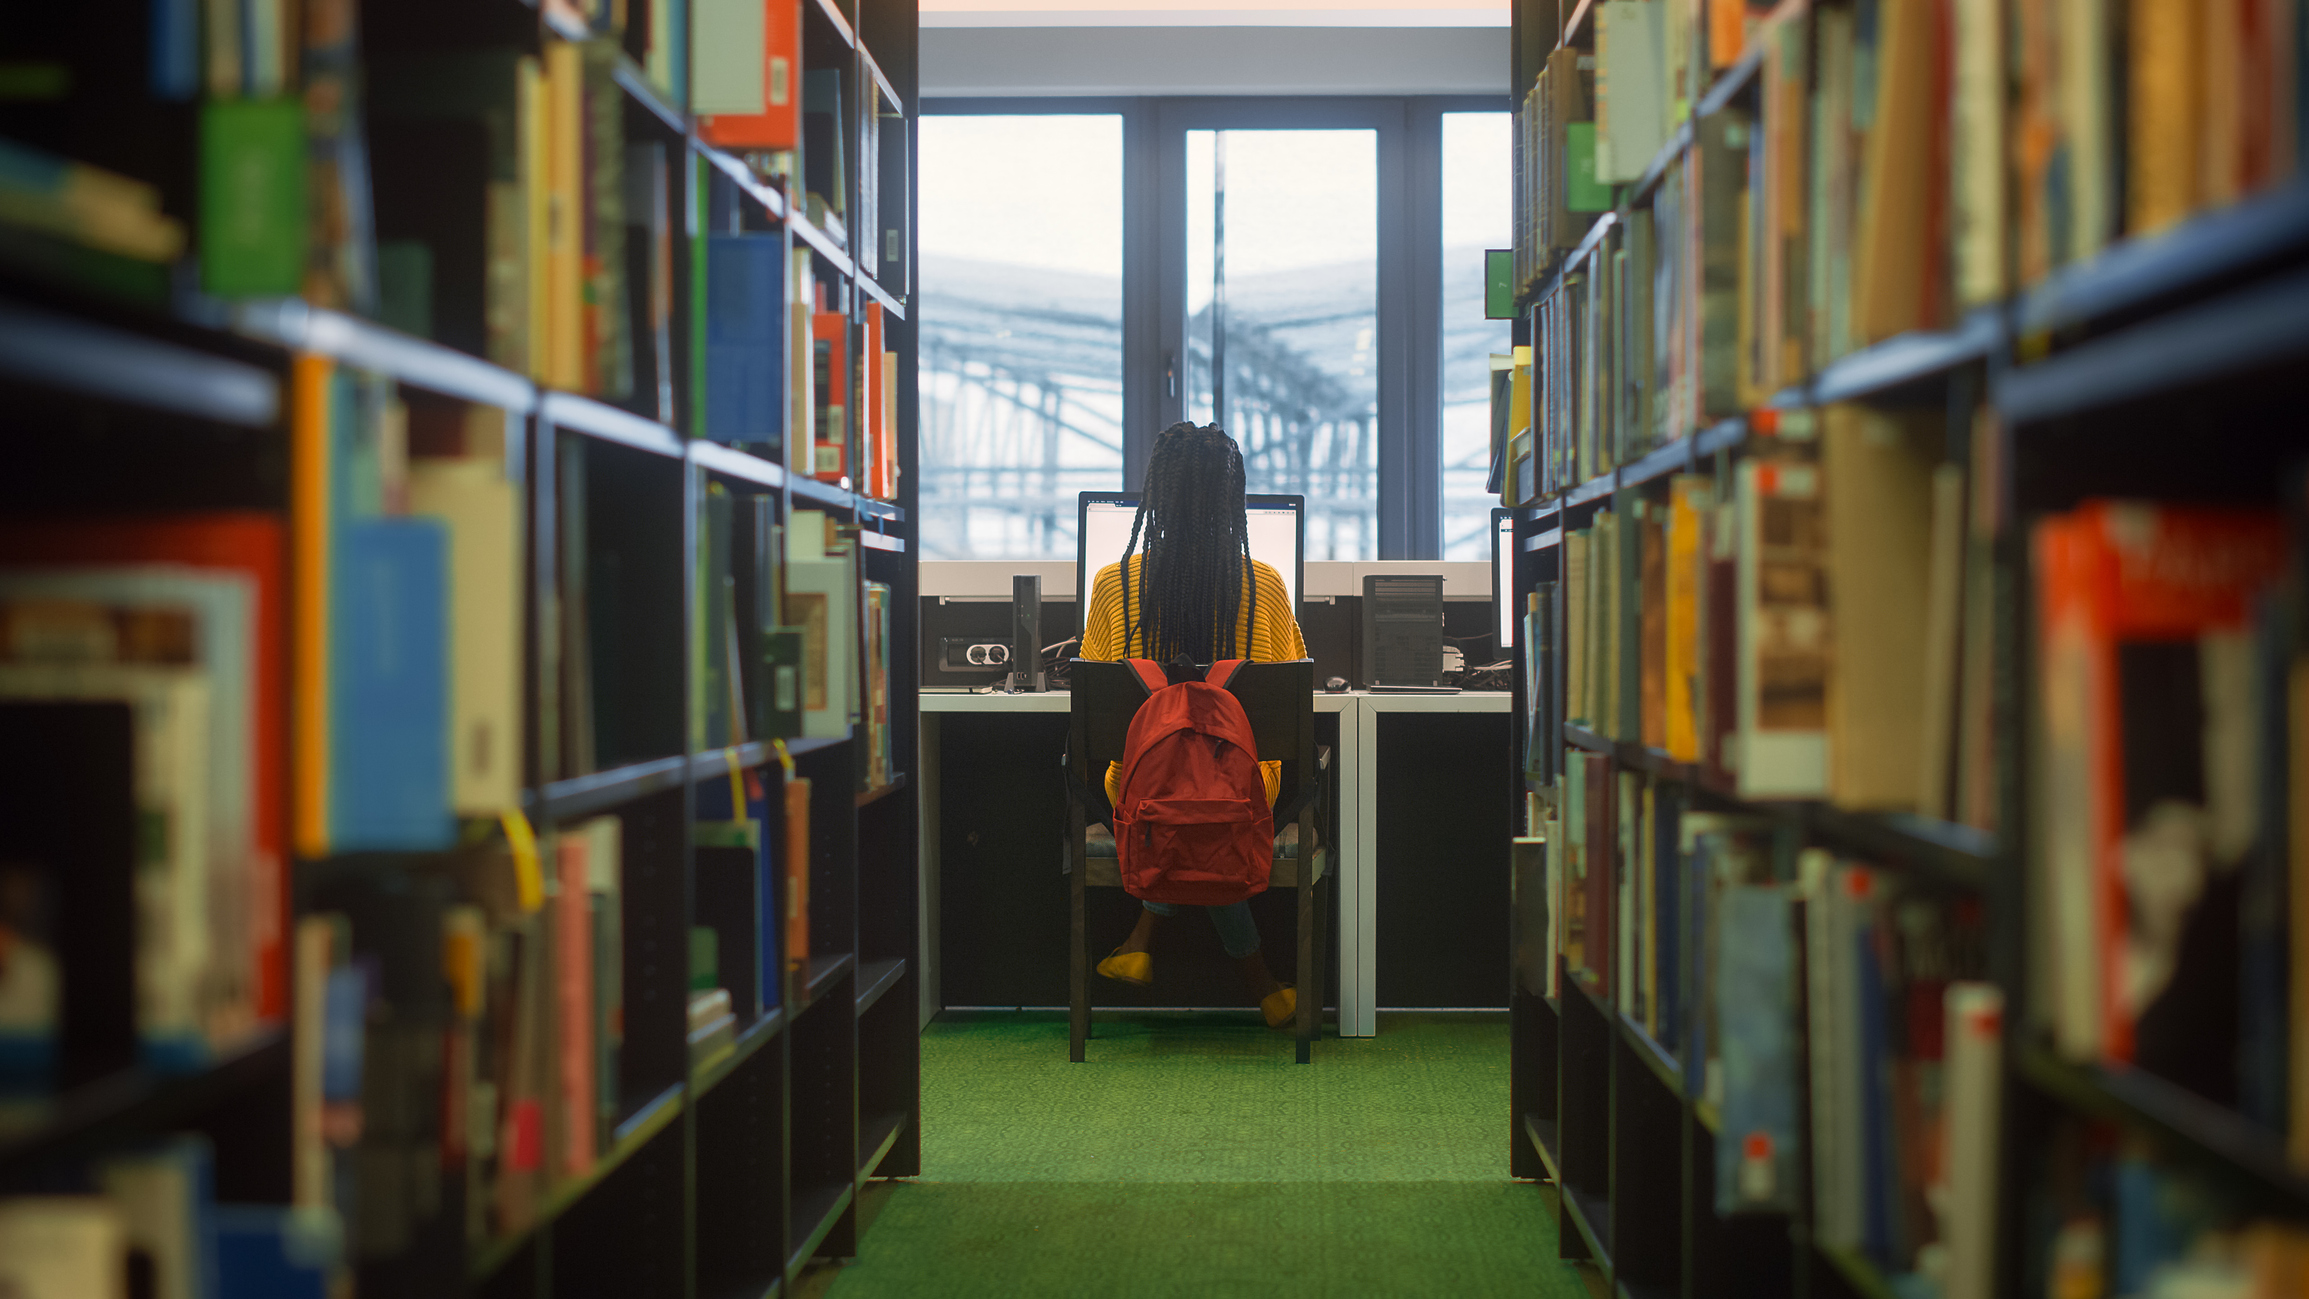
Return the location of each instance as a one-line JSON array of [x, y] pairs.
[[1949, 1111], [595, 880]]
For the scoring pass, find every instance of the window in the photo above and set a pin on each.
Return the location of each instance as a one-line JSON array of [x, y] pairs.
[[1282, 281], [1477, 214], [1021, 342], [1248, 261]]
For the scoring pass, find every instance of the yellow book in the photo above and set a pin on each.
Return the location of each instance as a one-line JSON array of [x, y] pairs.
[[1877, 472], [537, 231], [2163, 114], [1518, 426], [1891, 289], [565, 215], [1686, 575], [482, 509]]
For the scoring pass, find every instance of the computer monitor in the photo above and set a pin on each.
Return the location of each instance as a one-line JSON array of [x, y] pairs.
[[1503, 610], [1278, 538]]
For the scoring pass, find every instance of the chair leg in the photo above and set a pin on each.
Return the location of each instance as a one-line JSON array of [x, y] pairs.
[[1310, 977], [1078, 956]]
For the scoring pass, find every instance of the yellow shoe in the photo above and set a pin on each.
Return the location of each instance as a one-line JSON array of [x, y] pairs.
[[1133, 968], [1280, 1006]]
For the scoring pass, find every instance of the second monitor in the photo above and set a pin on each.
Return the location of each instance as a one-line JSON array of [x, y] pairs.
[[1278, 538]]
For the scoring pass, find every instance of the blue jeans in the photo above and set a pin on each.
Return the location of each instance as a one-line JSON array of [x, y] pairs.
[[1237, 933]]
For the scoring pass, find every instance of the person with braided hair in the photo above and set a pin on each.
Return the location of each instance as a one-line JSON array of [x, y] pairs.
[[1194, 592]]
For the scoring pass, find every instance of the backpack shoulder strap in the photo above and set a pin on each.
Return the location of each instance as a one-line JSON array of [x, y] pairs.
[[1149, 673], [1222, 673]]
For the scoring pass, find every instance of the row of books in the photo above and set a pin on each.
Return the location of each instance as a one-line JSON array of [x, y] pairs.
[[1860, 190], [2172, 858], [146, 1221], [461, 1036], [488, 198], [142, 672], [1833, 1019], [800, 649], [2111, 1213], [778, 360], [1812, 624]]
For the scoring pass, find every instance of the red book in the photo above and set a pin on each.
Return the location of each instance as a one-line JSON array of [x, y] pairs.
[[2144, 664], [830, 440], [573, 1004], [873, 437], [779, 125], [254, 544]]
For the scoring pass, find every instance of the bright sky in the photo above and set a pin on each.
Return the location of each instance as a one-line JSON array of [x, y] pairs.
[[988, 191]]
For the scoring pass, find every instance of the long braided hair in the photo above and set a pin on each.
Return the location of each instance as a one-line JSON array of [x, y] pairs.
[[1197, 558]]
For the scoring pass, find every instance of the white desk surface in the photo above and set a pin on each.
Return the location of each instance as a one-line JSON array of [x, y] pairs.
[[1058, 701]]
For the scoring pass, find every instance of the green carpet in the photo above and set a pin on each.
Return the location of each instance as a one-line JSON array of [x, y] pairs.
[[1190, 1156]]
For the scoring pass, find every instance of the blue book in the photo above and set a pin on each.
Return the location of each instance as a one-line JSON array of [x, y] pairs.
[[1757, 1156], [745, 338], [267, 1252], [1667, 916], [389, 687]]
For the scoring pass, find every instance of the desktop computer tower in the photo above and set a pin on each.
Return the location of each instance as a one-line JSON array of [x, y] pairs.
[[1402, 629]]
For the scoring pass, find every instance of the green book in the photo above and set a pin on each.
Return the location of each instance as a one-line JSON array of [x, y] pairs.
[[1582, 191], [253, 229], [1499, 284], [780, 705]]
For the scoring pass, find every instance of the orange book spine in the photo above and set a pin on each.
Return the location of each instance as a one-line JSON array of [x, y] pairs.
[[573, 997], [887, 468], [310, 531], [872, 395], [797, 875], [779, 125]]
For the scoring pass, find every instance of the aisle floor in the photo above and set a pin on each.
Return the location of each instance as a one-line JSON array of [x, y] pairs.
[[1190, 1156]]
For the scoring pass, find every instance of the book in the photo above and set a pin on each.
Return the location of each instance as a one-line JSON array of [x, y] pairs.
[[253, 197], [2144, 647], [1876, 507], [746, 68], [481, 511], [1974, 1032], [389, 707], [796, 836], [63, 1247], [575, 1002], [1756, 1157], [821, 601], [1631, 89], [830, 455], [1783, 638], [745, 362]]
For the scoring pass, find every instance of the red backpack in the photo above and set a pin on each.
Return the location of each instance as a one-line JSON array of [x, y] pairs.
[[1191, 820]]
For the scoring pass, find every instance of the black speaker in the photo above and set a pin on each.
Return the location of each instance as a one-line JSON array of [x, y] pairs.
[[1025, 632]]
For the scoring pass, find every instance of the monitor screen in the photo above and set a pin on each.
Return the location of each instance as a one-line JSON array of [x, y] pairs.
[[1503, 577], [1277, 536]]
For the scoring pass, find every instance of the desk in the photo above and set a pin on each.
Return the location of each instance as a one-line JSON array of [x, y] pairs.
[[1359, 715]]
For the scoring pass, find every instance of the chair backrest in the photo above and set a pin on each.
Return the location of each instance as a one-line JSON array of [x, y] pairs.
[[1278, 698]]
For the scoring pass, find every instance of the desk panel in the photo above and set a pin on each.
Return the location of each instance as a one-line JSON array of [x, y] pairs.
[[1444, 821]]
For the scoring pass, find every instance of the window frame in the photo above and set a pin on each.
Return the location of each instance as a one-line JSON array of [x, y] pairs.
[[1409, 271]]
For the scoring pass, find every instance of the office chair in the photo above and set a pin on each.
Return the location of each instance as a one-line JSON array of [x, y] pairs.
[[1279, 700]]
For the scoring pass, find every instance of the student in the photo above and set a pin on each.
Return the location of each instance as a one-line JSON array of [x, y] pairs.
[[1196, 591]]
